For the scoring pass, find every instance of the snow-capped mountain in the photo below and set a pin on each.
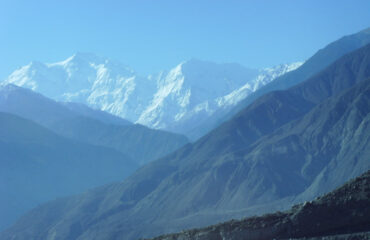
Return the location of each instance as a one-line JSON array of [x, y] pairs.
[[265, 76], [87, 78], [172, 100], [191, 89]]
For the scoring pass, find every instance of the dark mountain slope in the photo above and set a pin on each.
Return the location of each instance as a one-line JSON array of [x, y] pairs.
[[312, 66], [37, 165], [346, 210], [280, 107], [329, 143], [140, 143], [217, 178]]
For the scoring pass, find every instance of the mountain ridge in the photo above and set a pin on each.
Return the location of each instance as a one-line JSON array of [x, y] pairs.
[[173, 100], [98, 128], [342, 211], [223, 177], [321, 59]]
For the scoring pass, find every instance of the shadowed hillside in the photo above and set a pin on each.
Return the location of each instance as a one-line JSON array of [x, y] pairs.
[[318, 62], [37, 165], [86, 125], [341, 214]]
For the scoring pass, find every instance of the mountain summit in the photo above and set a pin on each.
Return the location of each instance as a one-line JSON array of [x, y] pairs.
[[87, 78], [175, 100]]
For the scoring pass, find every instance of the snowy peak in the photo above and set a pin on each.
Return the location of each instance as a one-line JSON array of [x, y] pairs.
[[268, 74], [189, 88], [264, 77], [282, 68], [195, 89], [85, 78], [77, 69], [205, 79], [182, 96]]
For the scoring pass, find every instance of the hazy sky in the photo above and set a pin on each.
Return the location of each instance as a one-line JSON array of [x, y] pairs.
[[158, 34]]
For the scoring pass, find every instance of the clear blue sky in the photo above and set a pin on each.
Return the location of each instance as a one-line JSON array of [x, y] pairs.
[[158, 34]]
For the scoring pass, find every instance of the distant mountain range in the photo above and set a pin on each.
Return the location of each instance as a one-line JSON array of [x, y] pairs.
[[287, 146], [342, 214], [50, 149], [79, 122], [176, 100]]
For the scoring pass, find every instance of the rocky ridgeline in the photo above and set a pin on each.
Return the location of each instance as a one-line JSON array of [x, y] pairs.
[[341, 214]]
